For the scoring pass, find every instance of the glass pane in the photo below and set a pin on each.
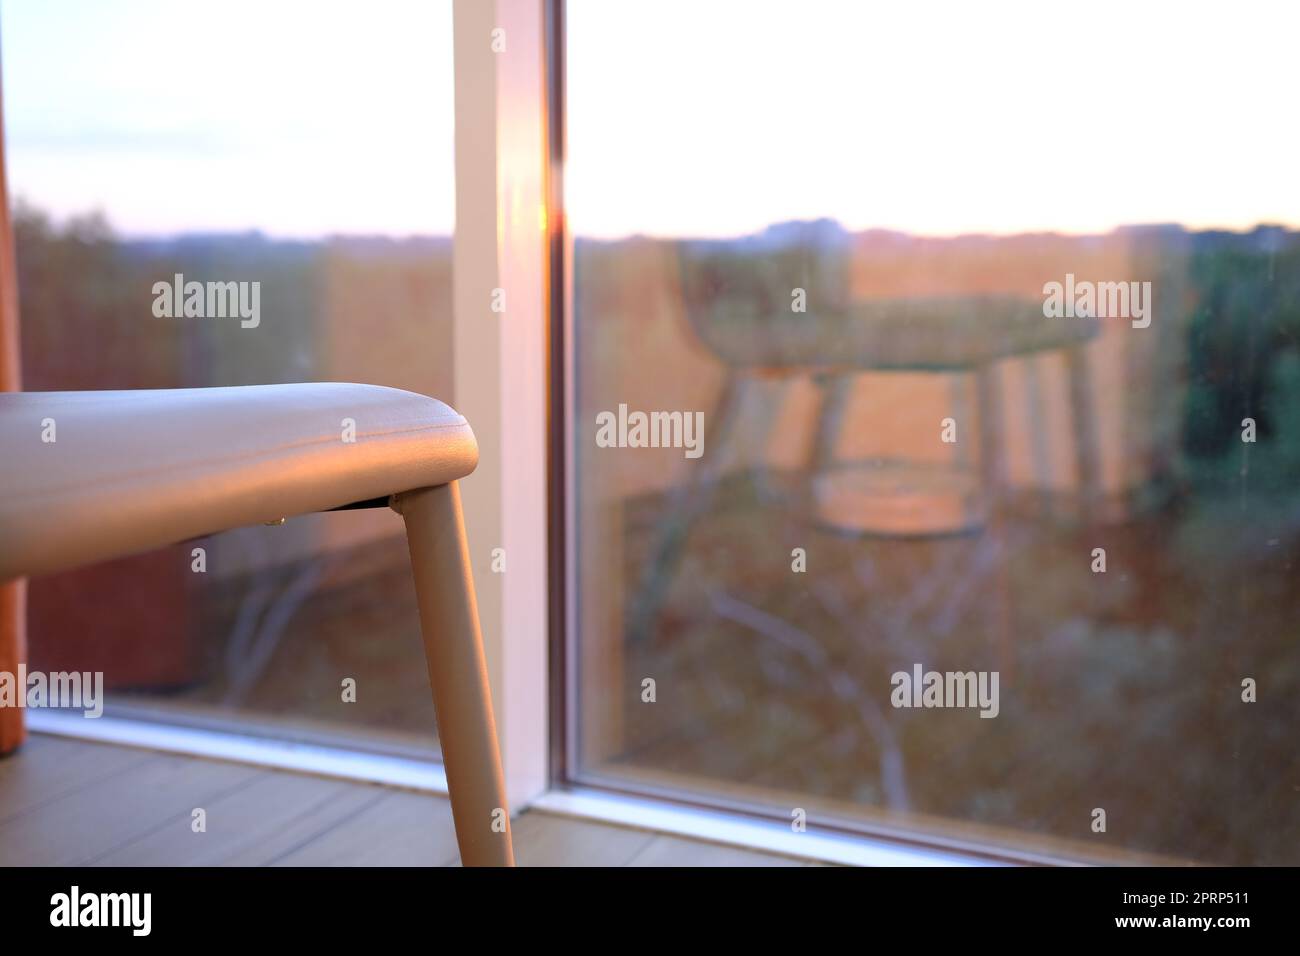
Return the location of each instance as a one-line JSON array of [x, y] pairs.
[[937, 431], [304, 147]]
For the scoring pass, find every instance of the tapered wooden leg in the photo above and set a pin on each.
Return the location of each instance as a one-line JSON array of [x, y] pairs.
[[988, 390], [833, 402], [687, 503], [453, 647], [1087, 446]]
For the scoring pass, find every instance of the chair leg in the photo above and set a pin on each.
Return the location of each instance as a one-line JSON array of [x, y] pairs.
[[1086, 443], [993, 478], [833, 402], [688, 502], [453, 647]]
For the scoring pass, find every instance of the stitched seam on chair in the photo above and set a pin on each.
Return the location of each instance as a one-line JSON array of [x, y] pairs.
[[130, 477]]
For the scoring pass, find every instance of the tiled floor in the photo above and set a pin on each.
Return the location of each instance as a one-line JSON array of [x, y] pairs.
[[67, 802]]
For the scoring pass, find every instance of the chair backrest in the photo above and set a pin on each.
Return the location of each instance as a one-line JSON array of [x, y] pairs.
[[734, 291]]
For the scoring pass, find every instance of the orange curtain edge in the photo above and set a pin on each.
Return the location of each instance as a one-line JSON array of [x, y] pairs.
[[13, 617]]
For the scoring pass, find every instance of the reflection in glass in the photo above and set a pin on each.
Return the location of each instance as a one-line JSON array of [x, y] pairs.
[[912, 459]]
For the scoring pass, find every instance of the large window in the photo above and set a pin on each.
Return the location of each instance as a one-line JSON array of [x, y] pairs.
[[937, 419], [304, 147]]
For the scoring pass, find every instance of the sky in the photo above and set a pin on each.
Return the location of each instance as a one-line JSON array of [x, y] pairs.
[[296, 118], [685, 117]]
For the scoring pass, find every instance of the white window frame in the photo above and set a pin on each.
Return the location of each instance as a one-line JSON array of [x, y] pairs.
[[509, 222]]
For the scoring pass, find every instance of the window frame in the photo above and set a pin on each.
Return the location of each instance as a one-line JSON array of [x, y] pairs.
[[532, 662], [695, 813]]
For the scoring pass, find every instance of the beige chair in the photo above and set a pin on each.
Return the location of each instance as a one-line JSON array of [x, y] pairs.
[[737, 303], [89, 476]]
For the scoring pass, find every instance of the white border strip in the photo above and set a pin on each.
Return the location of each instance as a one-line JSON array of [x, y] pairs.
[[737, 830], [260, 751]]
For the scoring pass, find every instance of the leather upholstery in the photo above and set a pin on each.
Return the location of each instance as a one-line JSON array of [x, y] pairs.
[[134, 470]]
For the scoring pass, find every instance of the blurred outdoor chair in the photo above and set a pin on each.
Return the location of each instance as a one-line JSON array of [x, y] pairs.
[[738, 303], [90, 476]]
